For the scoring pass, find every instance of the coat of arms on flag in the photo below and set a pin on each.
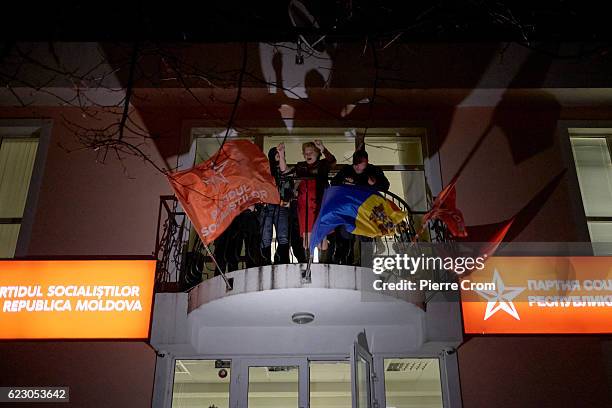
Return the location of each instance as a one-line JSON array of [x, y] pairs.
[[361, 210]]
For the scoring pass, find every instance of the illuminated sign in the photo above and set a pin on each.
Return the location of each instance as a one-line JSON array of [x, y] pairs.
[[110, 299], [530, 295]]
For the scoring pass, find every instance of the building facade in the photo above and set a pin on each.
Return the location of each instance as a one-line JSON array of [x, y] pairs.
[[524, 132]]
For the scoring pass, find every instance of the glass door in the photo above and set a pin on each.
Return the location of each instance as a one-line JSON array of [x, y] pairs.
[[202, 383], [287, 382], [362, 374], [274, 383], [330, 384]]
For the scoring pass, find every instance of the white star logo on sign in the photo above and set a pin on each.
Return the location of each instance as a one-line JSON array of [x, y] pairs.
[[500, 298]]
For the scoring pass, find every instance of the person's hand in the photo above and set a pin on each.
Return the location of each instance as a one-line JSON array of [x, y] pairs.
[[371, 180], [349, 180], [280, 149], [319, 145]]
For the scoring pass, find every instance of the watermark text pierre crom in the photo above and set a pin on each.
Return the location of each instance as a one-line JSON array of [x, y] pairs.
[[407, 264]]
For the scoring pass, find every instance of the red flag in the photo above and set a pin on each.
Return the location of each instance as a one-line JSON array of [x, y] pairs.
[[493, 241], [489, 235], [214, 192], [445, 209]]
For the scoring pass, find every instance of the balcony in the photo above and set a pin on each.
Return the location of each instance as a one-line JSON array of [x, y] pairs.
[[259, 302], [184, 262]]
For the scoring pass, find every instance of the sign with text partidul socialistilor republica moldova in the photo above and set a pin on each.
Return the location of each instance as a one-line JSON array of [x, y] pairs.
[[540, 295], [93, 299]]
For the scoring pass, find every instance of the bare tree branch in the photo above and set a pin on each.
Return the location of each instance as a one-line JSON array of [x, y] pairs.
[[128, 91]]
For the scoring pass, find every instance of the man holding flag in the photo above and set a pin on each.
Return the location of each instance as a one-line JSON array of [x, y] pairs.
[[360, 173]]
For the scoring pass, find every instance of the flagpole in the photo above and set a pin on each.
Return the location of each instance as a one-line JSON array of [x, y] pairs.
[[228, 286], [307, 278], [307, 275]]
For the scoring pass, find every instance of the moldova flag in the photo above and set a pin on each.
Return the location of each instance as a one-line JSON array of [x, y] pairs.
[[362, 211]]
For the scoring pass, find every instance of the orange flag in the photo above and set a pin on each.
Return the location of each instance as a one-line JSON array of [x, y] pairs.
[[214, 192]]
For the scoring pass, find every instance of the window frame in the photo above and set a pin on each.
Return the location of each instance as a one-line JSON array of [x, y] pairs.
[[441, 374], [41, 130], [446, 356], [567, 130], [259, 130], [608, 139], [173, 383]]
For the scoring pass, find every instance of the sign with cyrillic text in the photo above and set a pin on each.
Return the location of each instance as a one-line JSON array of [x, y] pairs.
[[533, 295]]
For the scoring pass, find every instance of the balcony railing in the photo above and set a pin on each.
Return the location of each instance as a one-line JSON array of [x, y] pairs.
[[170, 244], [184, 261]]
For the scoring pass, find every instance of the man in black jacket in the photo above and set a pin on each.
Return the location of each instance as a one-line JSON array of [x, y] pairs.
[[360, 173]]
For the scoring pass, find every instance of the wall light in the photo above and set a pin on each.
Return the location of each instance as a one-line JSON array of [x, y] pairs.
[[302, 318]]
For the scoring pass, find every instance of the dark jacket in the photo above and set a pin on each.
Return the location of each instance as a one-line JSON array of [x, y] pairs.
[[382, 184], [284, 182]]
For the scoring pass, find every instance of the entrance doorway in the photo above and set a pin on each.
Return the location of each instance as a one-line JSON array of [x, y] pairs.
[[302, 382]]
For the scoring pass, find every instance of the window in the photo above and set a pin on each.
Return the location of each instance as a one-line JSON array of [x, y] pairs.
[[201, 383], [330, 384], [399, 152], [17, 157], [208, 141], [340, 146], [276, 386], [413, 382], [591, 148]]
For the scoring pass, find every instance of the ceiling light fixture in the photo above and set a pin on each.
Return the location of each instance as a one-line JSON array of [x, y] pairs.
[[302, 318]]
